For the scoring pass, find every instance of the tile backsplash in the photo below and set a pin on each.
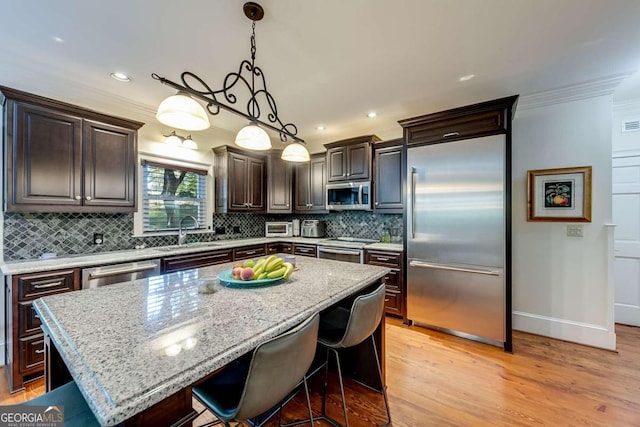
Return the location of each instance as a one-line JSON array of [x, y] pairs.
[[27, 235]]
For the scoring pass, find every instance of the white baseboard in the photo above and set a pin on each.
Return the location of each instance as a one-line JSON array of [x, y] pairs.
[[627, 314], [566, 330]]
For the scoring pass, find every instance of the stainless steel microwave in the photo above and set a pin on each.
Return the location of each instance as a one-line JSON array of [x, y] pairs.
[[353, 195], [278, 229]]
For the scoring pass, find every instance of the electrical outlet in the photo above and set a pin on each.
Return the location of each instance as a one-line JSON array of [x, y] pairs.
[[98, 238], [220, 230], [236, 229], [574, 230]]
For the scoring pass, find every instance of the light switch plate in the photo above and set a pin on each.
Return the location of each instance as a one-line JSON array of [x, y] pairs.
[[574, 230]]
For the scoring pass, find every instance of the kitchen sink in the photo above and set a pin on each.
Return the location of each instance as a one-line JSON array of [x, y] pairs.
[[187, 245]]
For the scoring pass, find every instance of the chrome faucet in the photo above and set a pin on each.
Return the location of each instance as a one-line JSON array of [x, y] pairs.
[[182, 233]]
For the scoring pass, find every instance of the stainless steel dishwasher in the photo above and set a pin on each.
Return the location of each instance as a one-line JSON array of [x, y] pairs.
[[110, 274]]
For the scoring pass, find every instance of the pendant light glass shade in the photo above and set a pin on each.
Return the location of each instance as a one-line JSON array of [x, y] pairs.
[[253, 137], [183, 112], [190, 143], [295, 152]]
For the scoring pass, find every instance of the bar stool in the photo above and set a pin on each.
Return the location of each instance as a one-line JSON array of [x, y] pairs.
[[341, 328], [76, 411], [277, 367]]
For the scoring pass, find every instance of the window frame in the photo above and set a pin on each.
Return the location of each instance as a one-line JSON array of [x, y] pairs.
[[138, 217]]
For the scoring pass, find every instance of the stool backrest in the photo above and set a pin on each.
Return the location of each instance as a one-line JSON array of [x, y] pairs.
[[277, 367], [366, 313]]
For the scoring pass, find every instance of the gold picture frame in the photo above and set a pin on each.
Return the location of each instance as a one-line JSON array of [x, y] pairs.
[[562, 195]]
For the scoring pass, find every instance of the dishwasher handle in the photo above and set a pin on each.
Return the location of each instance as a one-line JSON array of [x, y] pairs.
[[124, 270]]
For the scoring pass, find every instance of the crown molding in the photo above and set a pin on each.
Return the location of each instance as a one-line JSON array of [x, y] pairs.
[[583, 90]]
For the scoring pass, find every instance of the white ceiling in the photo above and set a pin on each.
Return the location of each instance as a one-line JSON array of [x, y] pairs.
[[326, 62]]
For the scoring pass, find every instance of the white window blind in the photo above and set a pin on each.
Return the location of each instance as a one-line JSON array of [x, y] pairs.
[[170, 193]]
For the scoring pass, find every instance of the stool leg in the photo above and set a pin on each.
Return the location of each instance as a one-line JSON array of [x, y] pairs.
[[384, 387], [344, 402], [326, 382], [306, 390]]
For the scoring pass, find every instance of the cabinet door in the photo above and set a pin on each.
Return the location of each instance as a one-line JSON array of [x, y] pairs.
[[337, 164], [317, 184], [256, 185], [109, 166], [279, 185], [238, 180], [302, 186], [44, 163], [358, 160], [388, 180]]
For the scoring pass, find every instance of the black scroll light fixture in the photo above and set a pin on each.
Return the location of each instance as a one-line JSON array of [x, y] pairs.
[[183, 111]]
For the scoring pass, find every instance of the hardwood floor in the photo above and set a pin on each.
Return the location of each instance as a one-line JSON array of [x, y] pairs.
[[439, 380]]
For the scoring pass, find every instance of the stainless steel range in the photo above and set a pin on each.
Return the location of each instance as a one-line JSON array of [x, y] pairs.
[[347, 249]]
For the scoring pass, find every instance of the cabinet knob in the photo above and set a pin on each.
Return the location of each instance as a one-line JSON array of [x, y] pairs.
[[348, 174], [287, 204], [78, 197], [88, 197], [377, 203], [344, 174]]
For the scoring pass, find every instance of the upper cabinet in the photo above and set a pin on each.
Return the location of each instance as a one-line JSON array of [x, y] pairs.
[[240, 180], [63, 158], [349, 159], [310, 185], [387, 176], [279, 183]]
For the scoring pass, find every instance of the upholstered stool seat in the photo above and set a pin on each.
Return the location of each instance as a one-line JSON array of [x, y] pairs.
[[76, 411]]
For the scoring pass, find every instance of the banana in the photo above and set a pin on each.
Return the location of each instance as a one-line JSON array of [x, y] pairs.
[[260, 262], [258, 269], [263, 275], [289, 269], [274, 264], [277, 273], [269, 259]]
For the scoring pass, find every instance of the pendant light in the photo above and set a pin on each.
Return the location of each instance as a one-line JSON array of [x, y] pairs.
[[295, 152], [175, 140], [253, 137], [186, 113], [182, 112]]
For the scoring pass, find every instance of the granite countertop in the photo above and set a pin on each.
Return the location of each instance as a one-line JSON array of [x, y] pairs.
[[114, 257], [130, 345]]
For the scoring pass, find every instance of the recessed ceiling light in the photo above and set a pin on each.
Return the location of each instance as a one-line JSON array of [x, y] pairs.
[[467, 77], [58, 39], [320, 127], [121, 77], [372, 114]]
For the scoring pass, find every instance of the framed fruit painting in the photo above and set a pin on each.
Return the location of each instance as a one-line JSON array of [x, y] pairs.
[[559, 194]]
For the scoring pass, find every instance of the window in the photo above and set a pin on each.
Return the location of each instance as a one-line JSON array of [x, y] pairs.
[[169, 193]]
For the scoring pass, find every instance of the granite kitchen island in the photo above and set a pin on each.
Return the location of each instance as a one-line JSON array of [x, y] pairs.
[[136, 348]]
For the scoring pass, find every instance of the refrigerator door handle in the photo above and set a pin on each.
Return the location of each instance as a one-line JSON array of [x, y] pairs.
[[413, 203], [422, 264]]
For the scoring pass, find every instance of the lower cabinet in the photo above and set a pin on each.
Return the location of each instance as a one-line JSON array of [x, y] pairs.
[[395, 289], [24, 351], [279, 248], [247, 252], [200, 259], [304, 249]]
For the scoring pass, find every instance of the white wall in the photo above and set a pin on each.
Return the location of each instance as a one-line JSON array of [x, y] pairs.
[[625, 141], [562, 285]]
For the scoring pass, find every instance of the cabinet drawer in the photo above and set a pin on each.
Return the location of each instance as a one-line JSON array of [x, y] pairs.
[[393, 280], [457, 127], [36, 285], [304, 250], [385, 259], [31, 353], [28, 322], [249, 252], [185, 262], [275, 248], [393, 303]]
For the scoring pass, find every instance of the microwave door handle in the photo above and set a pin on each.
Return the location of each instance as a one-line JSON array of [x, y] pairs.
[[360, 194]]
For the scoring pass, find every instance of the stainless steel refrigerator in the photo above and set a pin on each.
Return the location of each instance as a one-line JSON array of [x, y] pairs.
[[456, 237]]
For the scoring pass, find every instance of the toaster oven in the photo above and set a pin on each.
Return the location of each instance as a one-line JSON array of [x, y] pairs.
[[278, 229]]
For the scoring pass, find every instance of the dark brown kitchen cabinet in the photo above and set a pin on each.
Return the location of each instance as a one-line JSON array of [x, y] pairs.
[[349, 159], [249, 252], [279, 183], [394, 282], [24, 351], [279, 248], [304, 249], [201, 259], [63, 158], [387, 177], [240, 180], [310, 185]]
